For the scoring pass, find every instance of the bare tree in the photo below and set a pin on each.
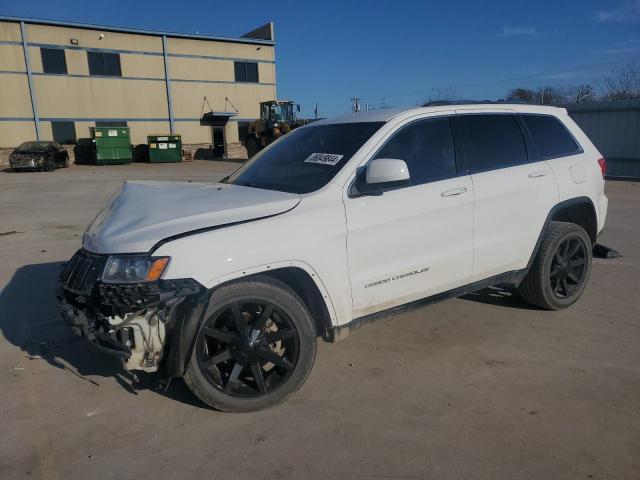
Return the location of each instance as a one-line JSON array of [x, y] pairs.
[[553, 95], [577, 94], [623, 84], [525, 95]]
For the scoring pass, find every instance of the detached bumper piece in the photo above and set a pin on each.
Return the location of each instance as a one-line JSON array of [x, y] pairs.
[[129, 321]]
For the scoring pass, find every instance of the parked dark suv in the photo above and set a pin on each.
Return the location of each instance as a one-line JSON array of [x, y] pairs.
[[45, 156]]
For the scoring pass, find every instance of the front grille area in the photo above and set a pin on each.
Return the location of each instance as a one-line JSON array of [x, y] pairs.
[[82, 272], [24, 162]]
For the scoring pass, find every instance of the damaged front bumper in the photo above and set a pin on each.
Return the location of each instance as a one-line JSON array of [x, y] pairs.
[[133, 322]]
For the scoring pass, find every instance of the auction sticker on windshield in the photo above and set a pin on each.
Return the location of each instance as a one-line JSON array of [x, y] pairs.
[[324, 158]]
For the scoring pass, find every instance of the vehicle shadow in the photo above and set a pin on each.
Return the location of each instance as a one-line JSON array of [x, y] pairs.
[[500, 295], [30, 320]]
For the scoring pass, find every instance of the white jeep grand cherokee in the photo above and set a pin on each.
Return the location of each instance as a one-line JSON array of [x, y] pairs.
[[338, 223]]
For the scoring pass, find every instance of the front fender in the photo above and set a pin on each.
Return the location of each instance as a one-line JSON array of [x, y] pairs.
[[269, 267], [191, 313]]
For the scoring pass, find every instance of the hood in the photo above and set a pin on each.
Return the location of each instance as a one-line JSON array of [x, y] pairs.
[[144, 213]]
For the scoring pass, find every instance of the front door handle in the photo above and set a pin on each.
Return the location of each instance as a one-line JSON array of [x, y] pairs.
[[539, 173], [453, 192]]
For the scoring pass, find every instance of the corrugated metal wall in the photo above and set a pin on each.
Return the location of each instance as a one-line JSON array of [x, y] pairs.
[[614, 128]]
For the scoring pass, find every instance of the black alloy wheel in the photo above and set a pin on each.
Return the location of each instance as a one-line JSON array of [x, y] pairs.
[[255, 347], [560, 270], [568, 267], [248, 348]]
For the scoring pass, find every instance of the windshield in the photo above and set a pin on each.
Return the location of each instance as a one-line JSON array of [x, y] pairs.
[[33, 146], [277, 112], [282, 112], [305, 159]]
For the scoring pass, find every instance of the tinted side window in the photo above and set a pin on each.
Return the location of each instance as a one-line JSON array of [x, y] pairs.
[[53, 60], [427, 148], [64, 132], [492, 142], [550, 136]]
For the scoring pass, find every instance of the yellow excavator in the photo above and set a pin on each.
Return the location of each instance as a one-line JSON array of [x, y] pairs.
[[277, 118]]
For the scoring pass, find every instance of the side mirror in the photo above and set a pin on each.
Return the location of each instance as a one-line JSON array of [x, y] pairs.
[[298, 107], [384, 174]]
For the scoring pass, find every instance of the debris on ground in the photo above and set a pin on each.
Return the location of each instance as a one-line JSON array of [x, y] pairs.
[[602, 251], [12, 232]]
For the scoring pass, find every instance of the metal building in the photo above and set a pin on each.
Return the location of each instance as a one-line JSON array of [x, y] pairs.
[[614, 128], [58, 79]]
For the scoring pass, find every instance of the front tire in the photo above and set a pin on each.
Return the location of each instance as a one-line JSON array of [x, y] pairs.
[[560, 271], [254, 348]]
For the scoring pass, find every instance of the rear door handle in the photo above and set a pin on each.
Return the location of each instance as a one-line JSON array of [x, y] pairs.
[[539, 173], [453, 192]]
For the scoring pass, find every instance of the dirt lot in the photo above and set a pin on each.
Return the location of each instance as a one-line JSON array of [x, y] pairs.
[[480, 387]]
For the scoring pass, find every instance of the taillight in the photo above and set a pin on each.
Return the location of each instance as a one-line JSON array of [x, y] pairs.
[[603, 166]]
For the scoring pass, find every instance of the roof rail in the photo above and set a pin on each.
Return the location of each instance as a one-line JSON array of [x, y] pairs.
[[440, 103]]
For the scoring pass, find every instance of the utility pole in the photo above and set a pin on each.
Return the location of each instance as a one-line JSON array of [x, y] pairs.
[[355, 104]]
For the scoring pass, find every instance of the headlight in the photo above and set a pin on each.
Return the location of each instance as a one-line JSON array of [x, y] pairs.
[[134, 268]]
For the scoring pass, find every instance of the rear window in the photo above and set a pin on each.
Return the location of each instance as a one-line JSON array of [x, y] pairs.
[[33, 146], [551, 137], [491, 141]]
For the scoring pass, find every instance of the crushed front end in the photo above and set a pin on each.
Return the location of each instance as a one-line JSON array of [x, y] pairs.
[[133, 321]]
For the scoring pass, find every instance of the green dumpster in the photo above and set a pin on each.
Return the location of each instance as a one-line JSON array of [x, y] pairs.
[[113, 145], [165, 148]]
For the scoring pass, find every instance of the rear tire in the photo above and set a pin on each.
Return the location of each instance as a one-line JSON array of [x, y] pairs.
[[254, 348], [560, 271]]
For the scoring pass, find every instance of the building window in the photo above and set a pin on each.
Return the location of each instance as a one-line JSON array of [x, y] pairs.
[[246, 72], [53, 60], [107, 64], [64, 132], [110, 123]]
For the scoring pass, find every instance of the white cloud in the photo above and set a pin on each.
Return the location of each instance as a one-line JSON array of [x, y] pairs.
[[509, 30], [627, 12], [622, 50], [631, 45]]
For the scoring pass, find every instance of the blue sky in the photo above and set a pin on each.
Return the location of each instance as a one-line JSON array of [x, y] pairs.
[[398, 52]]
